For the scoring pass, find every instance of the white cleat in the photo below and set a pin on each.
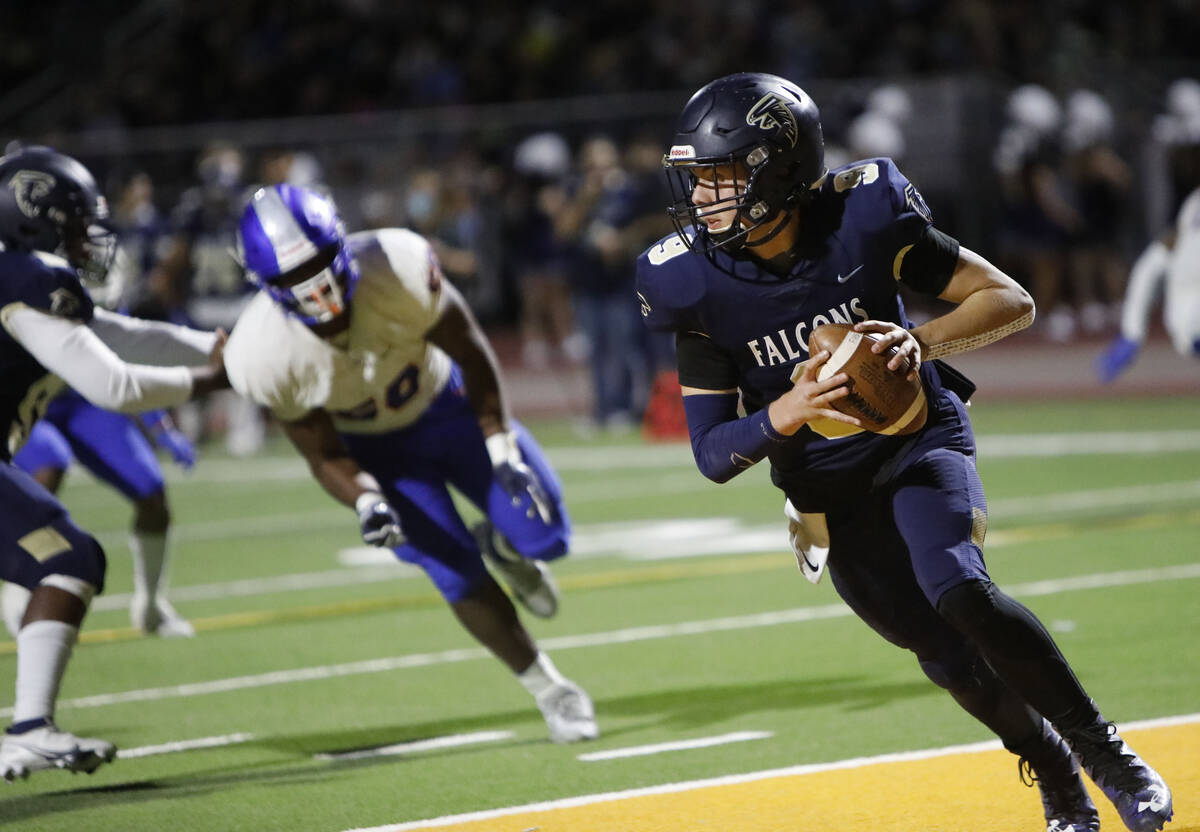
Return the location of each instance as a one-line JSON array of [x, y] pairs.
[[47, 747], [159, 618], [530, 580], [569, 713]]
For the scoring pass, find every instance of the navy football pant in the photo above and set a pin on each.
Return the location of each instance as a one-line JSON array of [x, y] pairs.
[[416, 465], [38, 537], [908, 561]]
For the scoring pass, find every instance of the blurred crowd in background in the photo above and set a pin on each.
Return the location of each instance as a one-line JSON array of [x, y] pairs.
[[1055, 137]]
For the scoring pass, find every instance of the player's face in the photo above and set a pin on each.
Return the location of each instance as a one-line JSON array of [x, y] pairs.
[[319, 291], [715, 192]]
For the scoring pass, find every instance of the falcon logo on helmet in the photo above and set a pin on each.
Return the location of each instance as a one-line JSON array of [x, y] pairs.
[[771, 113], [29, 188]]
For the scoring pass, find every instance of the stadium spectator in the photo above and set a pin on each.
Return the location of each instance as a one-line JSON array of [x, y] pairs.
[[1038, 220], [1098, 182], [384, 382], [770, 244]]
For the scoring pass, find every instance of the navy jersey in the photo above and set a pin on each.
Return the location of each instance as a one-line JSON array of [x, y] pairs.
[[759, 321], [50, 286]]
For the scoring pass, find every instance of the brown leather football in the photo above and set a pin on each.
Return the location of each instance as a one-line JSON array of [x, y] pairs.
[[885, 400]]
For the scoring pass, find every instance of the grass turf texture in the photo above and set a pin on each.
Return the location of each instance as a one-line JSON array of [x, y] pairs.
[[827, 688]]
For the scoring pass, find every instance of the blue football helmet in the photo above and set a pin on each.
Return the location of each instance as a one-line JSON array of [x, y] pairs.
[[769, 131], [293, 246], [50, 202]]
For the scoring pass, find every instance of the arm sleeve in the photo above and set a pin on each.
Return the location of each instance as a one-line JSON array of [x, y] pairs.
[[152, 342], [74, 353], [723, 444]]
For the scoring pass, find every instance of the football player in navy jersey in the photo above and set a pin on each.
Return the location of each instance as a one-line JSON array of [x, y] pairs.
[[770, 245], [53, 226], [116, 448]]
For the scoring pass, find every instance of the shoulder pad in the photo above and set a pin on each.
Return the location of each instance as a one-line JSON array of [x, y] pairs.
[[879, 196], [669, 284], [46, 283]]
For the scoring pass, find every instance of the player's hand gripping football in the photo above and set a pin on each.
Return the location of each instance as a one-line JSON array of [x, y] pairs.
[[810, 399], [378, 520], [517, 479], [893, 335]]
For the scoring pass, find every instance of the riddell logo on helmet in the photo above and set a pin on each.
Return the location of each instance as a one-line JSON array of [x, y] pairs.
[[770, 113], [682, 151]]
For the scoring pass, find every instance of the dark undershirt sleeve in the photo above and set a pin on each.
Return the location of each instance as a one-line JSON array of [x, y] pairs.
[[702, 364], [928, 266]]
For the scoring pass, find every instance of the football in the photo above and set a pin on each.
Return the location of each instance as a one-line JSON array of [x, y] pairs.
[[885, 400]]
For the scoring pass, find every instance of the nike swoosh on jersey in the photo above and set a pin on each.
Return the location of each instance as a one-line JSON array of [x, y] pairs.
[[851, 274]]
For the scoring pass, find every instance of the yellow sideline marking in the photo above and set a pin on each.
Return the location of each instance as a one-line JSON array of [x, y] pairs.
[[975, 790]]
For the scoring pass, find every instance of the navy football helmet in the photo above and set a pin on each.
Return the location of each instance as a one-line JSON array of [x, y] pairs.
[[50, 202], [293, 246], [769, 131]]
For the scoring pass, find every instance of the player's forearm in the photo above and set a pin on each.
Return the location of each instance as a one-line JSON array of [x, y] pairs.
[[342, 479], [989, 306], [481, 374], [723, 444], [74, 353]]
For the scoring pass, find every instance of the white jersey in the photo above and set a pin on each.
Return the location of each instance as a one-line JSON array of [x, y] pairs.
[[379, 375], [1181, 310], [1172, 275]]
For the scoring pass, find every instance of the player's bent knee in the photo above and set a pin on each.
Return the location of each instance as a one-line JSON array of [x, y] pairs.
[[79, 570], [970, 606]]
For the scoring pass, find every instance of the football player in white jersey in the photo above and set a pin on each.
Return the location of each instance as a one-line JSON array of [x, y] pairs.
[[387, 386], [1168, 268]]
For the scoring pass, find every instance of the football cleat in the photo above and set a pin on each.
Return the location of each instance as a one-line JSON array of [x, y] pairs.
[[1065, 799], [47, 747], [159, 618], [568, 712], [530, 580], [1140, 795]]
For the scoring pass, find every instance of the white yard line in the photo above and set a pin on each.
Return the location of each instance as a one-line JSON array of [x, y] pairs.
[[678, 745], [183, 745], [679, 454], [433, 744], [623, 636], [733, 779]]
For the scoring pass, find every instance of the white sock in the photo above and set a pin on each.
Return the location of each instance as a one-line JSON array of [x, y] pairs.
[[14, 598], [540, 675], [149, 560], [43, 648]]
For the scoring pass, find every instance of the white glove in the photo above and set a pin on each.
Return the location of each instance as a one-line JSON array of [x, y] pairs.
[[809, 536], [516, 478], [378, 521]]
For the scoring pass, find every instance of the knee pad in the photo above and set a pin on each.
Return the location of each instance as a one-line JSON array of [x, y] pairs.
[[80, 570]]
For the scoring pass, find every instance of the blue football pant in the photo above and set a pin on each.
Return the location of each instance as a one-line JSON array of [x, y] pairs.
[[416, 466], [110, 445]]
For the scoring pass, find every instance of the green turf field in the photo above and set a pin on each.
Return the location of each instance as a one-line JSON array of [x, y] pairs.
[[684, 616]]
